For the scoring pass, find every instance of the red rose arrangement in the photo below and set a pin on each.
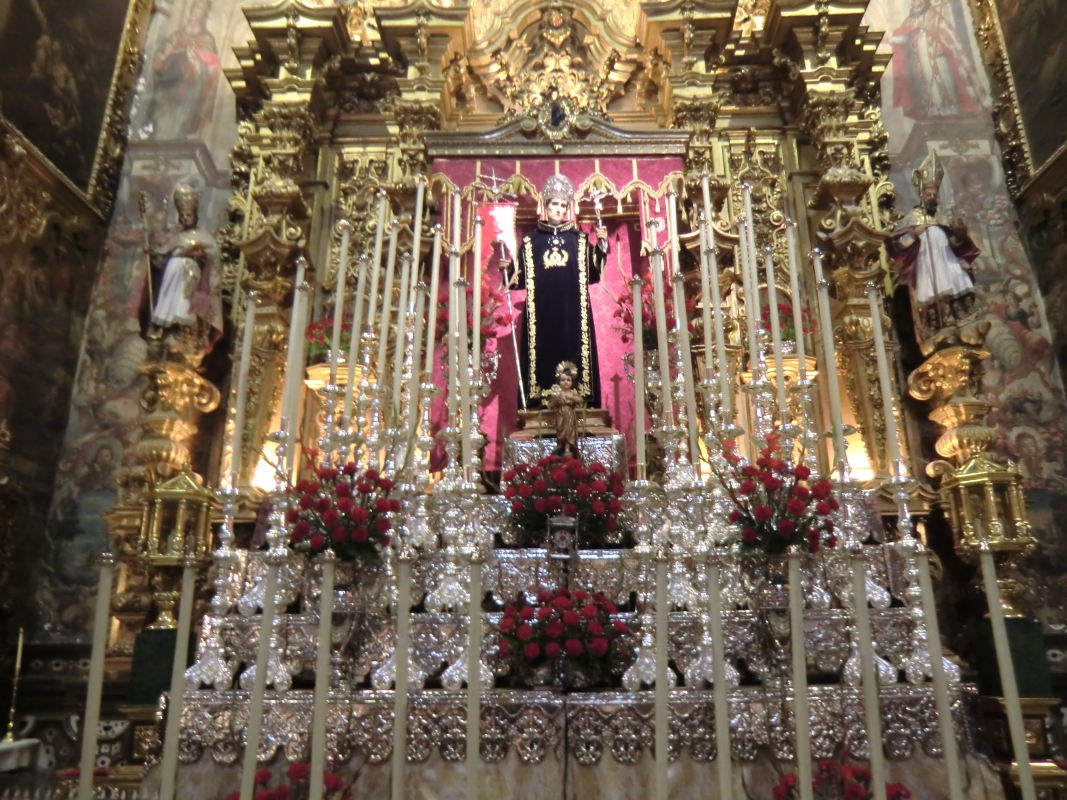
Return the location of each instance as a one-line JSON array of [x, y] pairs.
[[833, 781], [319, 337], [556, 485], [296, 786], [624, 315], [574, 629], [345, 510], [777, 505], [785, 321]]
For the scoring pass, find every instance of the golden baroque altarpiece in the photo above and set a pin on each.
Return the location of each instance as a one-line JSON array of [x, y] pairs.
[[337, 103]]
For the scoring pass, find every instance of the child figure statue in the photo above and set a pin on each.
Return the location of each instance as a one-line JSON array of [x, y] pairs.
[[565, 401]]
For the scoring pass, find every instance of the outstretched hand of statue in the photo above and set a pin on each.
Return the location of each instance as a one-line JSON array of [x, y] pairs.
[[602, 233]]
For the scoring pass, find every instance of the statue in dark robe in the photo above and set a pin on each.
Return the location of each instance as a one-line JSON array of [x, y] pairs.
[[557, 265]]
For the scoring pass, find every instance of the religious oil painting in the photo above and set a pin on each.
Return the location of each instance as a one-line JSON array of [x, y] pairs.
[[1035, 35], [57, 58]]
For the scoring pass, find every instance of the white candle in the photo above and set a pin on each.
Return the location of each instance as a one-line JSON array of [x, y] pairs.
[[776, 335], [339, 301], [413, 391], [457, 220], [830, 384], [722, 703], [705, 190], [871, 708], [725, 387], [662, 715], [354, 344], [376, 260], [672, 231], [884, 380], [294, 367], [476, 283], [636, 285], [237, 440], [431, 318], [800, 678], [794, 289], [751, 288], [254, 731], [416, 232], [682, 326], [400, 660], [463, 356], [385, 318], [705, 299], [942, 700], [661, 336], [176, 699], [402, 312], [95, 687], [474, 679], [323, 674], [453, 336], [1007, 672]]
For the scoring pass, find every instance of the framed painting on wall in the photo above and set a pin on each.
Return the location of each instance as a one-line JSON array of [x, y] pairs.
[[67, 68]]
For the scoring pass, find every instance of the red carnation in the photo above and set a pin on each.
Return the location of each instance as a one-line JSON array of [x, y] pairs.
[[772, 483], [317, 543], [331, 782], [349, 468], [323, 504], [360, 515], [535, 472], [531, 651], [509, 474], [262, 777], [359, 535], [795, 506], [343, 490], [306, 501], [301, 529], [554, 629], [749, 471], [527, 613], [802, 492], [619, 626], [541, 505], [544, 596], [507, 624], [573, 648], [735, 516], [614, 506], [381, 505], [383, 525], [509, 492], [599, 486], [345, 505], [544, 613], [599, 647], [822, 508], [552, 650], [524, 632], [822, 489], [516, 507], [572, 617], [598, 508], [589, 611], [555, 502], [748, 535], [570, 509], [559, 475], [786, 527], [802, 472], [597, 468], [525, 490], [594, 628], [762, 513], [338, 534], [292, 515], [364, 488], [747, 487], [298, 771], [561, 603], [617, 490], [583, 490], [331, 518]]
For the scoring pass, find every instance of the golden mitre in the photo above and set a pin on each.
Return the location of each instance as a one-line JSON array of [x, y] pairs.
[[929, 173], [557, 187]]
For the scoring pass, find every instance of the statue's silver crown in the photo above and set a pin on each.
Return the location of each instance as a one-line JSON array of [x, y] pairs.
[[557, 187]]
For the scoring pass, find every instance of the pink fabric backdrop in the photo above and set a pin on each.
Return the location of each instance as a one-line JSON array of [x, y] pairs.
[[637, 187]]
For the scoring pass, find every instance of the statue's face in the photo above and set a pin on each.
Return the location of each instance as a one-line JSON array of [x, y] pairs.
[[565, 381], [556, 211], [187, 218], [930, 199]]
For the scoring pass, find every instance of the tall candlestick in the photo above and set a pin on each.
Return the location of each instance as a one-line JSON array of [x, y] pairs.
[[869, 678], [705, 190], [254, 731], [400, 660], [672, 231], [357, 335], [463, 355], [722, 703], [751, 287], [942, 699], [1006, 667], [476, 317], [705, 299], [776, 335], [682, 327], [241, 399], [431, 312], [453, 335], [416, 232], [636, 285], [380, 370], [95, 687], [725, 388], [794, 289], [294, 366], [662, 714], [800, 678], [323, 676], [376, 260], [661, 336], [339, 301], [413, 389], [402, 312], [176, 698], [884, 380], [474, 679], [826, 325], [457, 220]]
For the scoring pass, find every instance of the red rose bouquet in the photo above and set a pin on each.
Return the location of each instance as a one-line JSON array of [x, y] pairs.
[[572, 631], [624, 314], [785, 321], [319, 337], [833, 781], [556, 485], [345, 510], [494, 314], [296, 786], [775, 504]]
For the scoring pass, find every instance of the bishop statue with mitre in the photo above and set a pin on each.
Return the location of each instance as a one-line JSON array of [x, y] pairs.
[[557, 265]]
